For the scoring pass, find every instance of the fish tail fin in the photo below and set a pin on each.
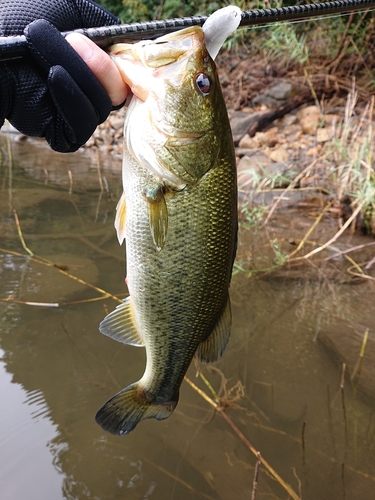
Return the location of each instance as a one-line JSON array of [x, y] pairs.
[[122, 412]]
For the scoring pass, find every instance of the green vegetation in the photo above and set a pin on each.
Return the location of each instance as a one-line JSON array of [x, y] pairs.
[[353, 175], [142, 10], [285, 45]]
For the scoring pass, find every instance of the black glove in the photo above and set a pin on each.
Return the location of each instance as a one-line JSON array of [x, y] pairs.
[[52, 93]]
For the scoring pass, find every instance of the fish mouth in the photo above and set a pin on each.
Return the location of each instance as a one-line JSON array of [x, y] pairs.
[[144, 64]]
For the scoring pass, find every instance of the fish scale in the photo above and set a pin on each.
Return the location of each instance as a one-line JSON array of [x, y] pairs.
[[201, 268]]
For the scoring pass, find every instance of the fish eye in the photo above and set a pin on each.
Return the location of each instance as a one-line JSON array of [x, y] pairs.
[[203, 83]]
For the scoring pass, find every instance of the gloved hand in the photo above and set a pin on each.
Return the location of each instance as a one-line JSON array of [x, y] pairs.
[[52, 93]]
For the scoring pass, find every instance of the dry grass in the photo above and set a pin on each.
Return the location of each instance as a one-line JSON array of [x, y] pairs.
[[344, 175]]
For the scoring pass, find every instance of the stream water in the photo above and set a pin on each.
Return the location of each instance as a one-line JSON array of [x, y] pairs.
[[280, 381]]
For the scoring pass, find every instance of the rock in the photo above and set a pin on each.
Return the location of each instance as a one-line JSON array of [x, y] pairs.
[[289, 120], [281, 173], [324, 134], [314, 151], [246, 109], [260, 169], [90, 143], [281, 91], [268, 138], [251, 169], [248, 142], [279, 154], [309, 118], [275, 95], [260, 159], [117, 121], [240, 152], [248, 174], [241, 122], [292, 133]]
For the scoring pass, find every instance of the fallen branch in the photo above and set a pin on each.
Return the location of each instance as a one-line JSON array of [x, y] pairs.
[[293, 103], [244, 439], [49, 263]]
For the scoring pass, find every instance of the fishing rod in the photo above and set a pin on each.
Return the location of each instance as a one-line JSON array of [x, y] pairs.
[[15, 47]]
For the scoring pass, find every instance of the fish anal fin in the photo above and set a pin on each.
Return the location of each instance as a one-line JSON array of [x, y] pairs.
[[122, 412], [158, 216], [120, 219], [214, 346], [119, 325]]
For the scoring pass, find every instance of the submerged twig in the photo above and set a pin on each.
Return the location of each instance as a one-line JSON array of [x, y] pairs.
[[358, 366], [178, 479], [25, 247], [342, 385], [49, 263], [256, 474], [336, 235], [303, 443], [348, 250], [10, 172], [316, 222], [244, 439], [330, 421], [359, 274], [70, 175], [56, 304], [214, 393]]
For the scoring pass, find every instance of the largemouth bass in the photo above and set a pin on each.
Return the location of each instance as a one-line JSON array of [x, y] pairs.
[[178, 215]]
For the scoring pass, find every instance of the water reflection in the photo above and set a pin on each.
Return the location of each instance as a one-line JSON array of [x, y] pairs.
[[26, 434], [58, 369]]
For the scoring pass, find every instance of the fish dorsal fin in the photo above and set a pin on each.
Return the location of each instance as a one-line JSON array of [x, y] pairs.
[[158, 216], [213, 347], [120, 219], [119, 325]]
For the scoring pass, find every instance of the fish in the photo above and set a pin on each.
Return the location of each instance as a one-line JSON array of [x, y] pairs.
[[177, 215]]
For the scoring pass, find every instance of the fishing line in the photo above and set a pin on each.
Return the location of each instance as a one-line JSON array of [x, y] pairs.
[[298, 21]]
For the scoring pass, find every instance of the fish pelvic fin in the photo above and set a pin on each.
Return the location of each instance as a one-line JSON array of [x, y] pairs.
[[119, 325], [214, 346], [120, 219], [158, 216], [120, 414]]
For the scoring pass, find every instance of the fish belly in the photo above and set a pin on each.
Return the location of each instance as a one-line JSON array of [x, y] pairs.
[[179, 292]]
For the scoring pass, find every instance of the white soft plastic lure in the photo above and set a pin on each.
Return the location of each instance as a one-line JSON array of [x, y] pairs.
[[219, 26]]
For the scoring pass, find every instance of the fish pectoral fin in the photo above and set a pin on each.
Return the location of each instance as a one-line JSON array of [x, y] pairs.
[[122, 412], [213, 347], [120, 219], [119, 325], [158, 216]]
